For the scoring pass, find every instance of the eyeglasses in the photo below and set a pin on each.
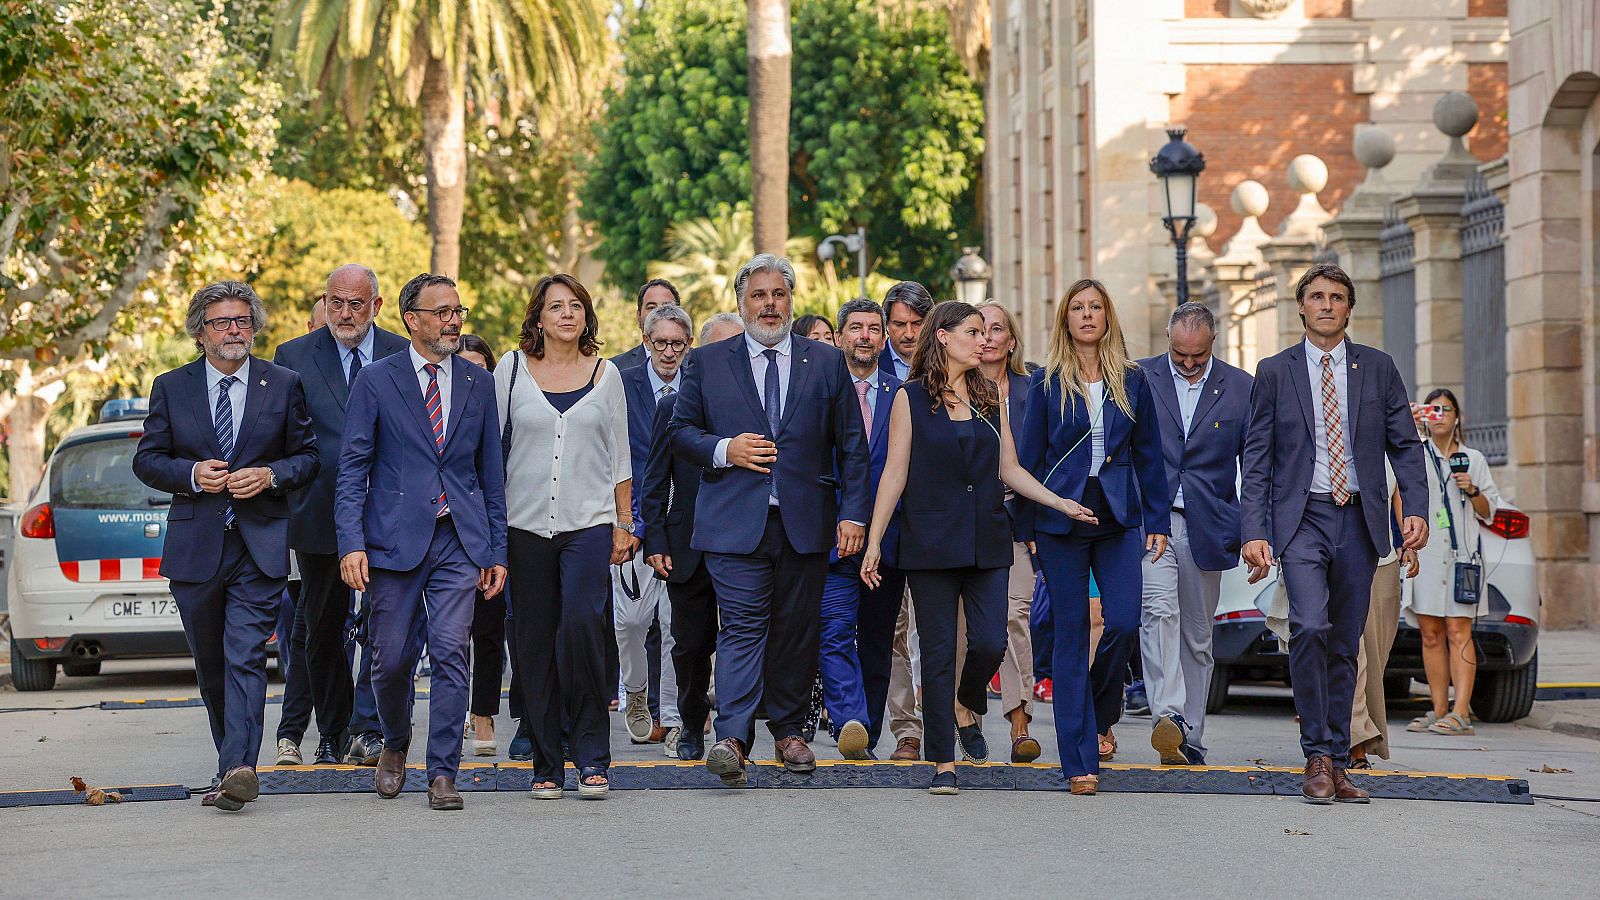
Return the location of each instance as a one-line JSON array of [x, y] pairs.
[[354, 306], [664, 346], [446, 313], [221, 323]]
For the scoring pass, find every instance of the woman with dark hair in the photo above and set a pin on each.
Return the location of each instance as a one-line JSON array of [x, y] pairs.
[[565, 436], [815, 327], [477, 351], [488, 618], [1461, 498], [1090, 433], [950, 437]]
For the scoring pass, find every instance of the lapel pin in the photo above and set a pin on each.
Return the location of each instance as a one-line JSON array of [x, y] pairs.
[[1216, 424], [1215, 391], [1355, 365], [804, 359], [263, 382]]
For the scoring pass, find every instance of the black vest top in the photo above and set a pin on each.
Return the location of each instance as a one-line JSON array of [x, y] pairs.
[[952, 513]]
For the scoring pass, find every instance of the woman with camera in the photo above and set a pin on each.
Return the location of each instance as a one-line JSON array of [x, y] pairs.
[[1447, 596]]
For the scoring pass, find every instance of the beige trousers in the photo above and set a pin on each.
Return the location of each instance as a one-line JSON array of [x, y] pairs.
[[1369, 719], [905, 720]]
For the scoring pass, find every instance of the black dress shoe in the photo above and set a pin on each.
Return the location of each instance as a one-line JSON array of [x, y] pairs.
[[691, 746], [364, 749], [973, 745], [328, 750]]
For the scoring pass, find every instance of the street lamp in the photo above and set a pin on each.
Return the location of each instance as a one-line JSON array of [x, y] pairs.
[[971, 275], [853, 243], [1178, 166]]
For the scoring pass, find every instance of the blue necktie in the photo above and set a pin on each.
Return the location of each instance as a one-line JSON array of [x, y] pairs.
[[223, 420], [774, 404], [355, 366]]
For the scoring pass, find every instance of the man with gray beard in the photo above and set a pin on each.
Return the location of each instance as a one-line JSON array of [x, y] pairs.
[[327, 360]]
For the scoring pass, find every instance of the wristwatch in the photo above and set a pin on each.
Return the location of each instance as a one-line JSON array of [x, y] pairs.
[[1475, 492], [272, 479]]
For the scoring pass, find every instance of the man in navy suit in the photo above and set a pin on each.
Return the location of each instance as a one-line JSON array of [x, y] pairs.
[[652, 294], [637, 596], [420, 510], [1203, 404], [857, 640], [1323, 416], [772, 418], [228, 436], [327, 360], [905, 305]]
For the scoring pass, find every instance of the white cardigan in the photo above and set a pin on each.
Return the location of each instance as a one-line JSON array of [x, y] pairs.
[[564, 468]]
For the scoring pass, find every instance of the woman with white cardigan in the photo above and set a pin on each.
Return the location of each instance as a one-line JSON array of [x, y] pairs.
[[569, 507]]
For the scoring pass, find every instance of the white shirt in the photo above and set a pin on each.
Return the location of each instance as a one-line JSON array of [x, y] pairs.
[[417, 363], [1097, 429], [1321, 480], [658, 388], [564, 468], [758, 369], [902, 369], [364, 348], [236, 395], [1188, 400]]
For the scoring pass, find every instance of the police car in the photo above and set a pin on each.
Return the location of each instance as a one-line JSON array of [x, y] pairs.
[[84, 584]]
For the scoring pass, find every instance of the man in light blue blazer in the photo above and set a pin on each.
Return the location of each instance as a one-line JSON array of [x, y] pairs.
[[420, 512], [1203, 405], [1323, 416]]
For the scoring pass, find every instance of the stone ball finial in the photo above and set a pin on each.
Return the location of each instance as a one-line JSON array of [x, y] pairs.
[[1307, 174], [1249, 198], [1205, 221], [1455, 113], [1374, 147]]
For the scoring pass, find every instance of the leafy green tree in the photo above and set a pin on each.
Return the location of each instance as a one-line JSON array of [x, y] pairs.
[[885, 131], [704, 255]]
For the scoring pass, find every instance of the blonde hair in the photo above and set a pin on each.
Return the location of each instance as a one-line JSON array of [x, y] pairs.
[[1115, 364], [1014, 362]]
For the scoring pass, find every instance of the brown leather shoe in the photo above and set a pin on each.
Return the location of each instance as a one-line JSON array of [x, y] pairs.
[[658, 734], [909, 749], [390, 776], [725, 760], [442, 794], [796, 755], [1345, 792], [1318, 784]]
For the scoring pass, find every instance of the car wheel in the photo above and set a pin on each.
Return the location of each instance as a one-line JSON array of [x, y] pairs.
[[1396, 687], [31, 674], [81, 669], [1217, 693], [1506, 696]]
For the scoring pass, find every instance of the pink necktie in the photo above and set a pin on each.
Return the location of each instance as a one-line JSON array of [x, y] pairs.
[[866, 408]]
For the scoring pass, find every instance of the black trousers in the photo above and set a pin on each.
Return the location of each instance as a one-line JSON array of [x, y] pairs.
[[560, 600], [935, 593], [694, 635], [488, 654], [876, 618], [325, 604]]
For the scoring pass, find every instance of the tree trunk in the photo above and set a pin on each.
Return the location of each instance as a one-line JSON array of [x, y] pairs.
[[444, 140], [25, 444], [769, 54]]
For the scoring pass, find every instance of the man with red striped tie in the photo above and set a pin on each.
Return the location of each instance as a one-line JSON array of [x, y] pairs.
[[420, 511], [1323, 416]]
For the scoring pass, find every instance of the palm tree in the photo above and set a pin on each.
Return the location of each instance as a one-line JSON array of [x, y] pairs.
[[543, 54], [767, 46], [704, 255]]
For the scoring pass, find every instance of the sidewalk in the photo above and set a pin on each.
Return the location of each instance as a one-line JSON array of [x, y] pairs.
[[1565, 657]]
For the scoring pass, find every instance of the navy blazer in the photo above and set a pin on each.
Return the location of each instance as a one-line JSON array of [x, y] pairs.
[[1206, 460], [820, 434], [1016, 410], [878, 452], [641, 418], [179, 432], [631, 358], [955, 517], [318, 358], [886, 362], [1280, 447], [669, 530], [1133, 475], [390, 474]]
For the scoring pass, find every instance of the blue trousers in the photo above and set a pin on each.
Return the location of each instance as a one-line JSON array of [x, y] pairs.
[[297, 696], [1089, 701], [936, 593], [439, 592], [857, 645], [1327, 570], [364, 705], [228, 621], [769, 602], [1042, 632]]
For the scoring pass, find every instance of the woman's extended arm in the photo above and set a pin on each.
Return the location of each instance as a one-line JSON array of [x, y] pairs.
[[1022, 481], [890, 485]]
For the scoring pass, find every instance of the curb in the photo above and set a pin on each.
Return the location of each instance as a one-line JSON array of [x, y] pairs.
[[1546, 719]]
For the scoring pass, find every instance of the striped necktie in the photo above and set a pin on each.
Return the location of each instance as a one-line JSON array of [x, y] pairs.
[[223, 420], [1330, 418], [435, 405]]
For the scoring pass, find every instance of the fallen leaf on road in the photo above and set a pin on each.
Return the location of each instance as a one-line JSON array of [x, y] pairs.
[[1548, 770], [94, 796], [1297, 833], [42, 739], [1259, 762], [79, 785]]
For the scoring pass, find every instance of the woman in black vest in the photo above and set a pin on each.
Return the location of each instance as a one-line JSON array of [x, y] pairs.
[[950, 440]]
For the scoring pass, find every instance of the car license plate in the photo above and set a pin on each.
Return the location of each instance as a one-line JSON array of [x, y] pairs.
[[142, 608]]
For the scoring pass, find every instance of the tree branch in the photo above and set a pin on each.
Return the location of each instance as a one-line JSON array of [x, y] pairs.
[[151, 252]]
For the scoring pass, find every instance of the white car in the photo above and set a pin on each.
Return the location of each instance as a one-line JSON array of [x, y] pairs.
[[83, 583], [1506, 632]]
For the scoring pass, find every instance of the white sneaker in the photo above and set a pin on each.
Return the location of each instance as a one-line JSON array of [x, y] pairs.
[[637, 714], [289, 753], [670, 745]]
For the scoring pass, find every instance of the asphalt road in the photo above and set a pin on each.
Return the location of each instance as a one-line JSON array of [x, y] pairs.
[[770, 842]]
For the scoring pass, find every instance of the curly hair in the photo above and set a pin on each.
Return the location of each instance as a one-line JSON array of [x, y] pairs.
[[928, 361], [531, 339]]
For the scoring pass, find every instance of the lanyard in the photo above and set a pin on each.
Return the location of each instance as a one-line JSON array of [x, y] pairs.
[[1094, 420], [1444, 494]]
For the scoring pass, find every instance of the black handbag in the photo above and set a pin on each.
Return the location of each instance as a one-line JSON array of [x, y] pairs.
[[1467, 577], [505, 433]]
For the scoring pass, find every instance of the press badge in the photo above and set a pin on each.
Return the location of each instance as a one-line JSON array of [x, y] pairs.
[[1441, 519]]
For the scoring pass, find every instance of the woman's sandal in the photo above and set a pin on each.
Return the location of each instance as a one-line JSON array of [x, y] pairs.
[[1423, 722], [1452, 723], [546, 789], [587, 791], [1025, 749], [1108, 746], [1083, 785], [1360, 762]]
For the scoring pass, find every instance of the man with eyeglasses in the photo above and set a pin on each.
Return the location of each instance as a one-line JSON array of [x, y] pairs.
[[420, 511], [639, 599], [656, 292], [229, 437], [328, 360]]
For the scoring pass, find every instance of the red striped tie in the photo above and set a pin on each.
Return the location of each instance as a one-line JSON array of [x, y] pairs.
[[1330, 418], [435, 406]]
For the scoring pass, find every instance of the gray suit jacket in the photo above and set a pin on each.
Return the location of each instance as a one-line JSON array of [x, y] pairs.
[[1280, 450]]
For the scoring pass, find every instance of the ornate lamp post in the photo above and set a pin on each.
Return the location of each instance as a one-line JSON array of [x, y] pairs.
[[1178, 166], [971, 275], [853, 243]]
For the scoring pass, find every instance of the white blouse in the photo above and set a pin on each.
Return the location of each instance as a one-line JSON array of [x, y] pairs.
[[1097, 429], [564, 468]]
